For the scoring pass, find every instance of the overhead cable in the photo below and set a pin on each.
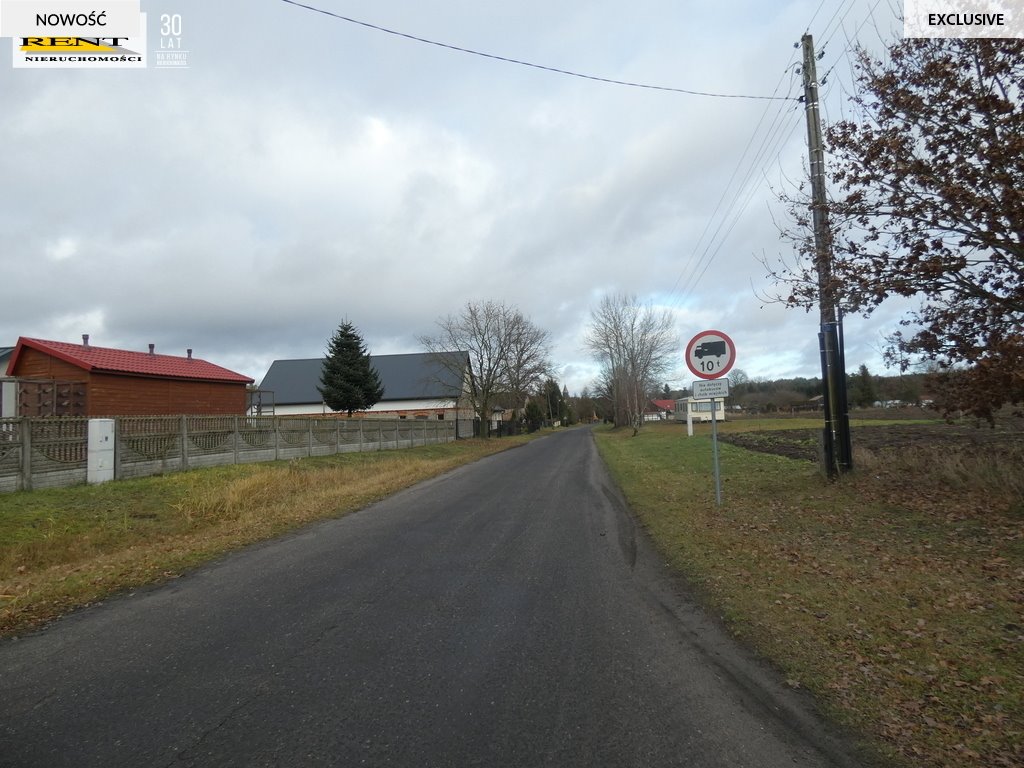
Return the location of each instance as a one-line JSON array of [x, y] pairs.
[[556, 70]]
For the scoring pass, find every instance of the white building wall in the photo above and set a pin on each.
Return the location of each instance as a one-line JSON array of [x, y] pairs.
[[391, 406], [700, 410]]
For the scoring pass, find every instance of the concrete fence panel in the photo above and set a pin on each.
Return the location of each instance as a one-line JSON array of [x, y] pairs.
[[53, 452]]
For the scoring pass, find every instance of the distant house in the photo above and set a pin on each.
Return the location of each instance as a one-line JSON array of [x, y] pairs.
[[55, 378], [659, 410], [417, 385]]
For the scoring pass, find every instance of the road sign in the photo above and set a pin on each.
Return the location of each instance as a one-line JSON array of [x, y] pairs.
[[710, 354], [709, 390]]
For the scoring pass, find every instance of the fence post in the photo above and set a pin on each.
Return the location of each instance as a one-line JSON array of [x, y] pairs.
[[117, 448], [277, 438], [337, 435], [309, 435], [360, 435], [184, 442], [236, 437], [26, 453]]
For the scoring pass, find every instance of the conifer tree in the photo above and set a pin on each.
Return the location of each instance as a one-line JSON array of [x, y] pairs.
[[349, 382], [862, 388]]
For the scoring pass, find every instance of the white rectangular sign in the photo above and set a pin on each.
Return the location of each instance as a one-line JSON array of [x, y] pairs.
[[69, 18], [963, 18], [710, 389]]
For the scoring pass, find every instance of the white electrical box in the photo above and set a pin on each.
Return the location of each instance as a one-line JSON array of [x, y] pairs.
[[100, 463]]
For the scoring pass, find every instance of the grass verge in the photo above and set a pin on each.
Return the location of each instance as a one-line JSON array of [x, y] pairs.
[[68, 547], [897, 599]]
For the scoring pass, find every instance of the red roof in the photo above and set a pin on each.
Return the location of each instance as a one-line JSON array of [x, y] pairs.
[[106, 360], [664, 405]]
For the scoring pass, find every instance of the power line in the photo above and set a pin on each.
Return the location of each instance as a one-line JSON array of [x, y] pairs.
[[507, 60], [776, 135], [851, 44], [816, 12], [828, 35], [700, 259]]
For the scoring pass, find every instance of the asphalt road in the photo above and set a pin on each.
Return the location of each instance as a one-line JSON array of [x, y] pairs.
[[506, 614]]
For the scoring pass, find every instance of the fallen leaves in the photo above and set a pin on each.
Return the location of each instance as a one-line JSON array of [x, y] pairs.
[[899, 599]]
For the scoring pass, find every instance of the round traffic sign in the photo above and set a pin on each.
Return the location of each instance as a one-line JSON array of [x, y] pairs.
[[710, 354]]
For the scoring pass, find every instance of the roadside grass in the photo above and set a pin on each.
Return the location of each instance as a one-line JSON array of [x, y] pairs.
[[978, 479], [68, 547], [895, 595]]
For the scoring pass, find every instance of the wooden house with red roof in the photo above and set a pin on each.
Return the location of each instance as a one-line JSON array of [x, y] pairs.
[[58, 378], [659, 410]]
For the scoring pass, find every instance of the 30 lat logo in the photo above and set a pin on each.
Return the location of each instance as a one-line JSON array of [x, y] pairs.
[[170, 54]]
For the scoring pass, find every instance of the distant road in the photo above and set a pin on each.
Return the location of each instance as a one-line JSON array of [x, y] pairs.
[[505, 614]]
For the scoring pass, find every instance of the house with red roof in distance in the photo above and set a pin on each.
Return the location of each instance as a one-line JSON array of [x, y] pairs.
[[659, 410], [55, 378]]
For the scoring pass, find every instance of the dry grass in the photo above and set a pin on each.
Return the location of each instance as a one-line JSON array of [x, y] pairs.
[[981, 478], [68, 547], [898, 600]]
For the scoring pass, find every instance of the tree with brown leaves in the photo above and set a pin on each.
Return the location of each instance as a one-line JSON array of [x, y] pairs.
[[927, 192]]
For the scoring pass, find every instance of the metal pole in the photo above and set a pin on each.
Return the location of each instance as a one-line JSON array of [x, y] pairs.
[[828, 443], [844, 449], [714, 451]]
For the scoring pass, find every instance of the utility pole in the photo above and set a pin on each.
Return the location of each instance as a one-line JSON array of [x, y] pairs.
[[836, 435]]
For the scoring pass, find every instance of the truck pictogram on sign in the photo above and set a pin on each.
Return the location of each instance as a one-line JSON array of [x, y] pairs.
[[708, 348]]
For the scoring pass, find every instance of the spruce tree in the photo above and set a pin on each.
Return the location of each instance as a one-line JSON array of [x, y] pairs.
[[862, 391], [349, 382]]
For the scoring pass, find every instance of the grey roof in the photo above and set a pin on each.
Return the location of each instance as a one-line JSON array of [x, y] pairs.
[[416, 376], [5, 357]]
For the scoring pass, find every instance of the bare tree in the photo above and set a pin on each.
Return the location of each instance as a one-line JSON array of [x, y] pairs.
[[634, 344], [507, 353], [528, 361]]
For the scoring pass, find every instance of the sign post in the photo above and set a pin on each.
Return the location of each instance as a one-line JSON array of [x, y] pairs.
[[710, 355]]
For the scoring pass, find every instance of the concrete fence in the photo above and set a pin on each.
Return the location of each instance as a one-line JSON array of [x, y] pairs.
[[55, 452]]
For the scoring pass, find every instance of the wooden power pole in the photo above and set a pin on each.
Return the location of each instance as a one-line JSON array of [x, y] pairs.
[[836, 436]]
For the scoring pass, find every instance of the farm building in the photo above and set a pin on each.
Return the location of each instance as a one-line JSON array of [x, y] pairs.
[[54, 378], [418, 385]]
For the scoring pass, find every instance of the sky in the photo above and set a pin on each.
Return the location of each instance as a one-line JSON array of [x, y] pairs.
[[304, 170]]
